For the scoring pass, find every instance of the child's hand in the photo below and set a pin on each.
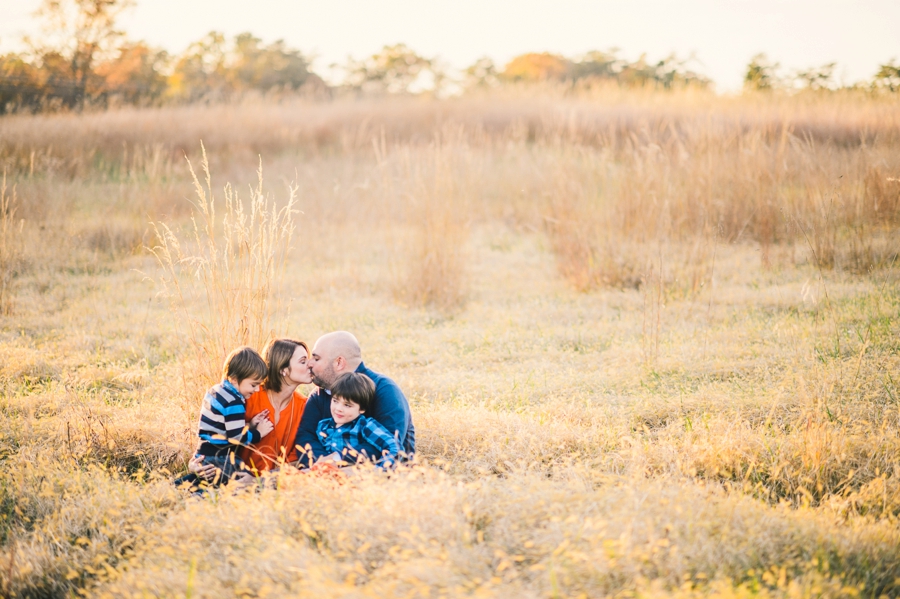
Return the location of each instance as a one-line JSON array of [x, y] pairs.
[[207, 472], [264, 427], [254, 422]]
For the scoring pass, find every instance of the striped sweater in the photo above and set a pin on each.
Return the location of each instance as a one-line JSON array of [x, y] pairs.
[[223, 422]]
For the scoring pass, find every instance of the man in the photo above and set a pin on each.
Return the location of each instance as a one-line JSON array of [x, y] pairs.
[[333, 355]]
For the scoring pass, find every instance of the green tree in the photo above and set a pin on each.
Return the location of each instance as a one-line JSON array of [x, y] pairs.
[[667, 73], [598, 65], [887, 77], [761, 74], [19, 83], [212, 67], [480, 74], [393, 70], [258, 67], [55, 82], [135, 75], [201, 70], [817, 77], [670, 72]]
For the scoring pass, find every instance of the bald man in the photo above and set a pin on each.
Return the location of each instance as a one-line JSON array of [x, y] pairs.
[[333, 355]]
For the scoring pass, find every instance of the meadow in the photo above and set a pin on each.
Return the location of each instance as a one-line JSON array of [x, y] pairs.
[[650, 340]]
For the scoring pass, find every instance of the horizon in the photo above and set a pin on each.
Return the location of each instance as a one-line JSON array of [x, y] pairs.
[[718, 36]]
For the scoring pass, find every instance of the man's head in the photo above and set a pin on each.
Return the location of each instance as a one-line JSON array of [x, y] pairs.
[[350, 396], [333, 355]]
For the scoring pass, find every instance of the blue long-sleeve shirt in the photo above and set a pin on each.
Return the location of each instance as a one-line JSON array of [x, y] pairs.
[[389, 408]]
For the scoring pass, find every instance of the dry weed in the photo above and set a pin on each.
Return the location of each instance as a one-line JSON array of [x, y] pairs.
[[11, 246], [223, 282], [431, 270]]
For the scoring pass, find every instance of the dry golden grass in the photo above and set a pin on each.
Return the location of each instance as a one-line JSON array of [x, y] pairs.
[[650, 340]]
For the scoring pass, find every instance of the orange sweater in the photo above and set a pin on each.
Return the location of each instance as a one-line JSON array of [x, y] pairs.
[[280, 442]]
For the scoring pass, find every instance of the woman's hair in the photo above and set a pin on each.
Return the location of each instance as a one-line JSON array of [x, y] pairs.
[[355, 387], [278, 354], [244, 363]]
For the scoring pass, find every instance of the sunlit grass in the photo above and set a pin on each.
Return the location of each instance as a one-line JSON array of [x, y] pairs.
[[627, 377]]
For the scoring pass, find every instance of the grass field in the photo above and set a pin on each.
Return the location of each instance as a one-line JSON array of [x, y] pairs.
[[650, 340]]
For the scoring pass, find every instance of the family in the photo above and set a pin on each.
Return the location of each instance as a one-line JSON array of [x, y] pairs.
[[255, 420]]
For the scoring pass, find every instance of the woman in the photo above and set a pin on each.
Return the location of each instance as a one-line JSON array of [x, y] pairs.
[[280, 402]]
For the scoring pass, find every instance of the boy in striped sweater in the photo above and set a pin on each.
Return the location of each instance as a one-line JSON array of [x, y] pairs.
[[223, 425]]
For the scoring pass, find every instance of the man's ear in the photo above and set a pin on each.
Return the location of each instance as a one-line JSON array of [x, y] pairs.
[[340, 363]]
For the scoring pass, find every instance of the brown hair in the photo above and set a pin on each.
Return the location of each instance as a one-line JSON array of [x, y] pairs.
[[244, 363], [278, 355], [354, 387]]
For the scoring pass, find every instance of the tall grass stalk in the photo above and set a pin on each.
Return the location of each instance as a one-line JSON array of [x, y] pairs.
[[11, 245], [222, 279]]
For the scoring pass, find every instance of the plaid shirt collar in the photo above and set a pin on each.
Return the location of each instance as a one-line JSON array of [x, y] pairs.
[[349, 427]]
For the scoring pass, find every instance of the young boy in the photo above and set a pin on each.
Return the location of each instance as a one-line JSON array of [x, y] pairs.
[[349, 435], [223, 425]]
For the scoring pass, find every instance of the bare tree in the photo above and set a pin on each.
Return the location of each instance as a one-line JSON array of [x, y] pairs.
[[80, 31]]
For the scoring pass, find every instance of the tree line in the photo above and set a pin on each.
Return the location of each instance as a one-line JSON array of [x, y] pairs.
[[763, 74], [83, 59]]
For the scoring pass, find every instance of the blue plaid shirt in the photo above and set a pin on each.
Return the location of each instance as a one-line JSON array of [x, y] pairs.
[[359, 440]]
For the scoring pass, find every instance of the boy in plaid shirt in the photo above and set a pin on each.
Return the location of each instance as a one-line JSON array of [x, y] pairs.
[[350, 436]]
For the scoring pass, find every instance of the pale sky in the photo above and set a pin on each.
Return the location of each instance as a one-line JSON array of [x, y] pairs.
[[722, 34]]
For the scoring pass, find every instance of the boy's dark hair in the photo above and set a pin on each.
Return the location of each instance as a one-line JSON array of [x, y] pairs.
[[278, 355], [244, 363], [354, 387]]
